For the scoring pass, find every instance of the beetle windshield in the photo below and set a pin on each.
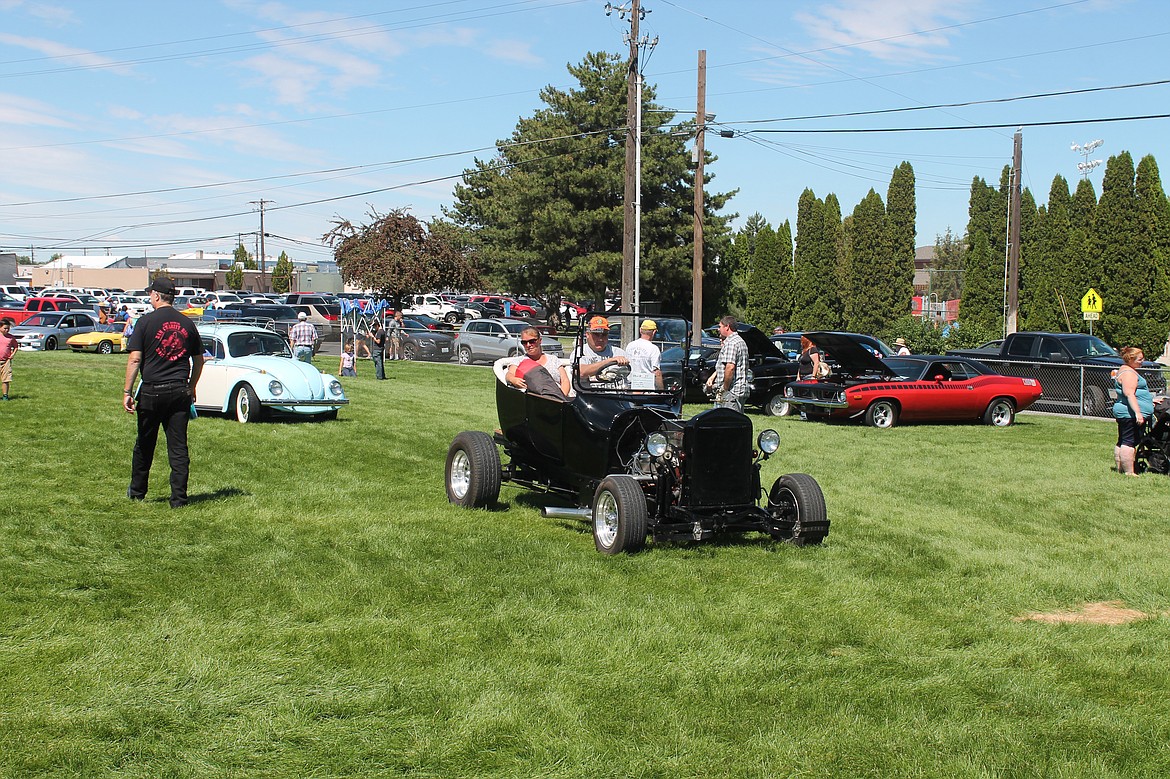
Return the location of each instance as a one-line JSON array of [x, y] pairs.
[[250, 343]]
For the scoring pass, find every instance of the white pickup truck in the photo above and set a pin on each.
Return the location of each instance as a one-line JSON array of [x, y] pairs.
[[435, 306]]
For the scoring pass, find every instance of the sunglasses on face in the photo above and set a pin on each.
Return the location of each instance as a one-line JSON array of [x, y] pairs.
[[529, 341]]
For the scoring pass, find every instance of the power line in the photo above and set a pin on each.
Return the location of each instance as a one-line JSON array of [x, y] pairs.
[[1008, 125]]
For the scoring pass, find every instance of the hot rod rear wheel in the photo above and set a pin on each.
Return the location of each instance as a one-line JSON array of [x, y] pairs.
[[619, 516], [473, 470], [1000, 413], [797, 506], [882, 414]]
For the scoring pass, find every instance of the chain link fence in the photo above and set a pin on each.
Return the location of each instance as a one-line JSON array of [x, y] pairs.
[[1078, 390]]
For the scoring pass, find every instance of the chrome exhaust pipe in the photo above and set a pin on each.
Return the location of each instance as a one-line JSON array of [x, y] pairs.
[[566, 513]]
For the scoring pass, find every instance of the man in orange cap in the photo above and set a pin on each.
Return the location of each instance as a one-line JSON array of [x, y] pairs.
[[598, 356]]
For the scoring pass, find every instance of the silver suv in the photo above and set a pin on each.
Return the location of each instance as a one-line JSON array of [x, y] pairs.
[[491, 339]]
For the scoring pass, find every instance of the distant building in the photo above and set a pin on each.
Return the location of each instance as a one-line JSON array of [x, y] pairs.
[[8, 268]]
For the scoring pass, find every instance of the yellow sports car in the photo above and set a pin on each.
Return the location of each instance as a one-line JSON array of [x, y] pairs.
[[103, 339]]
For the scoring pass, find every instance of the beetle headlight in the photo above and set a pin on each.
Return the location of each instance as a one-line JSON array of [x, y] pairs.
[[276, 388], [656, 444], [335, 387], [768, 441]]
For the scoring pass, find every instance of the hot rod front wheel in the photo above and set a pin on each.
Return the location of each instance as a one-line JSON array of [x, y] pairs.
[[619, 516], [797, 506], [473, 470]]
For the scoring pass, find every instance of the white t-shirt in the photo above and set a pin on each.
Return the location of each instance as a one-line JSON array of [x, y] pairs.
[[644, 362]]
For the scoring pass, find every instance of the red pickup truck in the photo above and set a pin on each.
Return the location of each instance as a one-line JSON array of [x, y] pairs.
[[36, 305]]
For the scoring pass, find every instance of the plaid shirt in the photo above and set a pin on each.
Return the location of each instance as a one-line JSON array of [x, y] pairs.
[[302, 334], [735, 351]]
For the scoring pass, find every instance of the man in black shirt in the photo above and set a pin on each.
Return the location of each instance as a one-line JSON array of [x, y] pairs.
[[166, 348], [379, 353]]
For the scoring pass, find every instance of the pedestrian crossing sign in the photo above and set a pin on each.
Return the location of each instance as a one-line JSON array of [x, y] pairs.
[[1091, 302]]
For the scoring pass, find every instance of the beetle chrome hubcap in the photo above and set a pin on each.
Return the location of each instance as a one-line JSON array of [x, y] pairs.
[[460, 474], [605, 519]]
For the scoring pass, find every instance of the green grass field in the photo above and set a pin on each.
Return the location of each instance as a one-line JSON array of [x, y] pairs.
[[321, 611]]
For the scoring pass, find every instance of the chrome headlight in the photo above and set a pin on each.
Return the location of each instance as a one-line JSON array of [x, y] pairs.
[[789, 392], [276, 388], [768, 441], [335, 387], [841, 396], [656, 444]]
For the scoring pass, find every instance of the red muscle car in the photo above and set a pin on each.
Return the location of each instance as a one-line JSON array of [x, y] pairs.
[[885, 391]]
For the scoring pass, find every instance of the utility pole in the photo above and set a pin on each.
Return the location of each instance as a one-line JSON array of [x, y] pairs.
[[697, 264], [1013, 264], [630, 232], [263, 266]]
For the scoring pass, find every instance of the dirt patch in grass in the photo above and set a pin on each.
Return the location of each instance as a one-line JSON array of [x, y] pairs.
[[1111, 612]]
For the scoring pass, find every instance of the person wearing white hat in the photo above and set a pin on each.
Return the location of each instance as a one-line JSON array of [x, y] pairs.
[[303, 338], [901, 349], [645, 358]]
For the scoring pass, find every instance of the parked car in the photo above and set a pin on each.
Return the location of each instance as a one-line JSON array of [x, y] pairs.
[[434, 306], [270, 316], [509, 306], [326, 315], [49, 330], [628, 463], [304, 298], [430, 323], [249, 372], [17, 291], [922, 388], [491, 339], [103, 339], [769, 370], [539, 311], [421, 343], [223, 297]]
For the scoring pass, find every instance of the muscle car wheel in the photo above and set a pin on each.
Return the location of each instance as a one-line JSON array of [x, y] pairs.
[[473, 470], [882, 414], [797, 506], [1000, 413], [105, 347], [619, 516], [247, 405], [464, 355], [777, 406]]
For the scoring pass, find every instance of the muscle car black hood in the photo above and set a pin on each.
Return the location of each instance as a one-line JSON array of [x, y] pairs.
[[849, 355], [757, 342]]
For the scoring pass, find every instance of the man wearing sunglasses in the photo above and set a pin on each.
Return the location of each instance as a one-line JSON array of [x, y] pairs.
[[598, 357]]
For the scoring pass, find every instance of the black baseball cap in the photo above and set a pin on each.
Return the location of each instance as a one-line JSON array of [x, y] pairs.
[[162, 284]]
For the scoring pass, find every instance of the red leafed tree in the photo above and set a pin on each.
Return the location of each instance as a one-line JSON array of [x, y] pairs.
[[396, 254]]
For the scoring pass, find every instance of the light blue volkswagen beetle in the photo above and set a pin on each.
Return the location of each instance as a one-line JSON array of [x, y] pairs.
[[249, 371]]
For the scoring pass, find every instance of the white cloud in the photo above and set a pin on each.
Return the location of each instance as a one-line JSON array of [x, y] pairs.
[[26, 112], [58, 55], [519, 52], [889, 31], [52, 14]]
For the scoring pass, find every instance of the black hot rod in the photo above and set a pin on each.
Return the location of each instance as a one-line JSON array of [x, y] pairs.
[[628, 461]]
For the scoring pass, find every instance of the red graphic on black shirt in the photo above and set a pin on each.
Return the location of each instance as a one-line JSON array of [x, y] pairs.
[[170, 342]]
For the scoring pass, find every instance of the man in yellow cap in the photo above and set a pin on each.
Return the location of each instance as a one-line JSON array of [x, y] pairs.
[[644, 358], [598, 355]]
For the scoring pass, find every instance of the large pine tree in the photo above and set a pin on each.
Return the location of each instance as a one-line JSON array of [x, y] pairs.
[[810, 236], [981, 304], [901, 236], [1127, 275], [868, 265]]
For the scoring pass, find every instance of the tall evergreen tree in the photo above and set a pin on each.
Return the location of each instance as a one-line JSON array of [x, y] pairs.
[[1127, 275], [869, 264], [1032, 266], [810, 229], [1050, 295], [547, 211], [766, 296], [946, 274], [981, 304], [832, 265], [1151, 234], [901, 236], [1085, 266]]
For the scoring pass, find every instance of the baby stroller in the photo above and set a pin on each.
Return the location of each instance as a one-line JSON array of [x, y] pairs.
[[1153, 449]]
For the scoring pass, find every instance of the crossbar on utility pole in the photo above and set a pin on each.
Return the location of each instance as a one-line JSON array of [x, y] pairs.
[[697, 263]]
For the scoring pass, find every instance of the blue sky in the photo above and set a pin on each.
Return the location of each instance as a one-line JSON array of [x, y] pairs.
[[148, 128]]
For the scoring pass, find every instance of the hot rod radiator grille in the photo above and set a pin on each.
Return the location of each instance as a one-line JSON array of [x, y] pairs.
[[719, 460]]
